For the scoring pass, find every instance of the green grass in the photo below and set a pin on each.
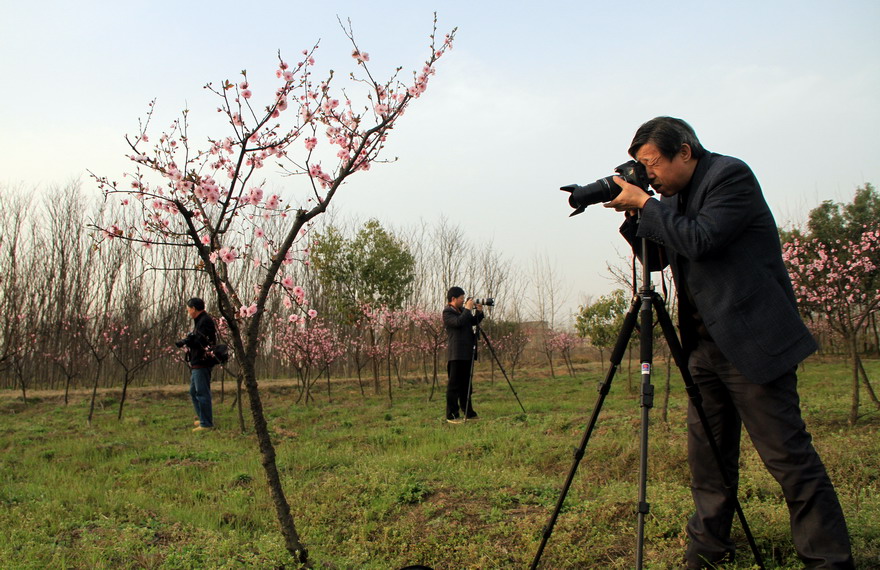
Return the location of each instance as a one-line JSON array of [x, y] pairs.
[[379, 485]]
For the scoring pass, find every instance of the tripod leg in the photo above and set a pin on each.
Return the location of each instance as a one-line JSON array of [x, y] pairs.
[[646, 349], [693, 392], [629, 324], [466, 407], [495, 356]]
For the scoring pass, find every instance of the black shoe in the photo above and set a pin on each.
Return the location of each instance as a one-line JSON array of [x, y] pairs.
[[472, 417]]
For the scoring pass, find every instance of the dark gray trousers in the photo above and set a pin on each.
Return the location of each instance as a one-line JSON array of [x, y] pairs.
[[772, 417], [459, 390]]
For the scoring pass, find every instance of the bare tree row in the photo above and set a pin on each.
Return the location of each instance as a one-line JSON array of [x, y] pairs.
[[79, 314]]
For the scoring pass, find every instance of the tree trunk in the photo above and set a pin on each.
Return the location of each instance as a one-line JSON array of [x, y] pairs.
[[94, 393], [23, 388], [327, 372], [854, 407], [868, 386], [360, 380], [122, 399], [238, 397], [390, 398], [267, 459], [66, 390], [876, 334]]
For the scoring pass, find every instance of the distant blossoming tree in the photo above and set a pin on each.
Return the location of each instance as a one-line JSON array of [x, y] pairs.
[[310, 346], [563, 343], [133, 352], [210, 200]]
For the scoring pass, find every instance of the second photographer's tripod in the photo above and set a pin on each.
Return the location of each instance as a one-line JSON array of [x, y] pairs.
[[642, 307], [481, 332]]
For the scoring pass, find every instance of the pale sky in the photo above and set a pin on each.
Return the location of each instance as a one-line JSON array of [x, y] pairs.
[[534, 95]]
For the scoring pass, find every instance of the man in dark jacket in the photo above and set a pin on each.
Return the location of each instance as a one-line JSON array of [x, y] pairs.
[[741, 330], [198, 344], [459, 318]]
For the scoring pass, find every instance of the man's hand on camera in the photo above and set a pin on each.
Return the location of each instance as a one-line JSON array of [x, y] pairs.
[[630, 199], [469, 304]]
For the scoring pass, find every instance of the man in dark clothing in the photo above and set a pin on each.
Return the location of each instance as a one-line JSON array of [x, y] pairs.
[[459, 318], [744, 338], [198, 344]]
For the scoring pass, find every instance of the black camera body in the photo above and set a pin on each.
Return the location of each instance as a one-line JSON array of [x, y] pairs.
[[604, 189], [188, 340], [488, 302]]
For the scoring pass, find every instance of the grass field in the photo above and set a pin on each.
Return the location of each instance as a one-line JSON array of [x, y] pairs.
[[377, 485]]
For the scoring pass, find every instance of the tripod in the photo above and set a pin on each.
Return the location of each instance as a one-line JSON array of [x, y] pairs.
[[642, 307], [481, 332]]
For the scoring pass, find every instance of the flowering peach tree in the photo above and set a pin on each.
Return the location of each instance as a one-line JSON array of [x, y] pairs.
[[213, 197], [838, 281]]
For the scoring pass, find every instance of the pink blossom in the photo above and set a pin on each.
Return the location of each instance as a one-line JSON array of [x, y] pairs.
[[313, 313], [259, 233], [287, 282], [246, 93], [248, 311], [311, 142], [255, 196], [273, 202], [206, 239], [360, 56], [228, 254]]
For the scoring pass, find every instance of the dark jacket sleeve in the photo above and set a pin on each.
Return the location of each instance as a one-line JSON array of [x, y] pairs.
[[657, 259]]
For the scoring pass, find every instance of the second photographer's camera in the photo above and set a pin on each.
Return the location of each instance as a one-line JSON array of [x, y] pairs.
[[604, 189], [488, 302], [185, 341]]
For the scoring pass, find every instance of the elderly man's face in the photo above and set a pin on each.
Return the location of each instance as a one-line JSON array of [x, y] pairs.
[[668, 177], [457, 302]]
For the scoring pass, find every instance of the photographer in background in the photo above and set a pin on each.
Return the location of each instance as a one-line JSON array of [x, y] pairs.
[[459, 318], [742, 333], [197, 345]]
